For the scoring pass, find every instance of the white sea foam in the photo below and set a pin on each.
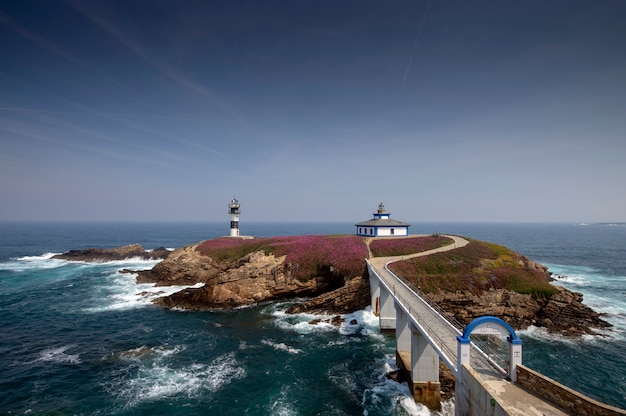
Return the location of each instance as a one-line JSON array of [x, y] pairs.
[[122, 292], [386, 396], [363, 322], [389, 397], [370, 323], [299, 322], [25, 263], [353, 323], [447, 407], [543, 334], [142, 352], [45, 256], [280, 346], [159, 378], [128, 262], [599, 293], [58, 355], [282, 405], [46, 261]]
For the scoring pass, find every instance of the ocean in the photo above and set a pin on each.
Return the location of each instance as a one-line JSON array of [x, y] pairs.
[[84, 339]]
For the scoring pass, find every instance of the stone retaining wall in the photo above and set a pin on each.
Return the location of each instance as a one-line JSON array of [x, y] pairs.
[[472, 398], [569, 400]]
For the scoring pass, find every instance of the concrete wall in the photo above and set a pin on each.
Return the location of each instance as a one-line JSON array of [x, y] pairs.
[[562, 396], [397, 231], [472, 399]]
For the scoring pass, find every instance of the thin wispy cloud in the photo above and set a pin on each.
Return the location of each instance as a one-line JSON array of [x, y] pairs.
[[181, 104], [16, 132], [109, 26], [125, 119], [51, 47]]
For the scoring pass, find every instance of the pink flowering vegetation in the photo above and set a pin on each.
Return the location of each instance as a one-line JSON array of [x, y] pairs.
[[309, 256], [383, 247]]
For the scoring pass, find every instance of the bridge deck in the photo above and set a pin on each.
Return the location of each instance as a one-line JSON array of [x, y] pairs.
[[442, 336]]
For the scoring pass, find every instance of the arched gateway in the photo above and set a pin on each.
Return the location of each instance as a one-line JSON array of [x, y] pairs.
[[490, 325]]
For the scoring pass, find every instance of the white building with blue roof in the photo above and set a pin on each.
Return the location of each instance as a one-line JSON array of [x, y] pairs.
[[382, 226]]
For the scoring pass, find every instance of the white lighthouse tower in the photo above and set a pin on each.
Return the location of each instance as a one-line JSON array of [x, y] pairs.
[[233, 210]]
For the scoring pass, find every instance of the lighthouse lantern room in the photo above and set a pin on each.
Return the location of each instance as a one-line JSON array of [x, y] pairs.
[[233, 210]]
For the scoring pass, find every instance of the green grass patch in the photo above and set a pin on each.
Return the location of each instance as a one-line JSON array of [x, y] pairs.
[[386, 247], [477, 267]]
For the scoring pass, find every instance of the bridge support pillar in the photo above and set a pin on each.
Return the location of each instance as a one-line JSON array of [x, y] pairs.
[[419, 361], [403, 331], [425, 384], [374, 293], [387, 317], [403, 342]]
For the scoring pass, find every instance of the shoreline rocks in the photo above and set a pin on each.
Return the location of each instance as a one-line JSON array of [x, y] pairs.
[[563, 312], [258, 277], [93, 255], [254, 278]]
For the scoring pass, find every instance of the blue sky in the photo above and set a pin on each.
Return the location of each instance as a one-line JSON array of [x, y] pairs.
[[313, 111]]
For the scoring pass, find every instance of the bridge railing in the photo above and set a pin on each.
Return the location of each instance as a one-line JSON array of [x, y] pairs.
[[433, 334], [479, 355], [445, 315]]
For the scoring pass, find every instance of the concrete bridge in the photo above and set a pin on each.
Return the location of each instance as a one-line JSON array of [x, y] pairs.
[[424, 337]]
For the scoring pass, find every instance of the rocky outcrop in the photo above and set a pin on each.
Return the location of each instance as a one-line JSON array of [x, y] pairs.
[[563, 312], [254, 278], [259, 277], [354, 295], [112, 254], [183, 267]]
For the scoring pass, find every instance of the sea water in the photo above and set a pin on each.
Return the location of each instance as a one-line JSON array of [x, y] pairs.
[[84, 339]]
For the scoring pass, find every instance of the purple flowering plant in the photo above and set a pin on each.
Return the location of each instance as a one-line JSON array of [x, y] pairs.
[[309, 256]]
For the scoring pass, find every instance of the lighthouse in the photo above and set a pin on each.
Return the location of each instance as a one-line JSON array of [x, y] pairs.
[[233, 210], [382, 226]]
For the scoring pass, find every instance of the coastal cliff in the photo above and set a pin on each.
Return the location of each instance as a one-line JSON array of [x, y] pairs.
[[242, 272], [488, 279], [562, 312], [477, 280]]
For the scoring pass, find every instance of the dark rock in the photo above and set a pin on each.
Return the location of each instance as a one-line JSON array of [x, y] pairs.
[[258, 277], [112, 254], [335, 321], [353, 296], [254, 278], [563, 312]]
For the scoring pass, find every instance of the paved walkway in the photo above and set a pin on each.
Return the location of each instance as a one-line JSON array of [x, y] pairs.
[[442, 335]]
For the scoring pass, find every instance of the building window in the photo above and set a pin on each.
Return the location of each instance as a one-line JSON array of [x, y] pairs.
[[371, 231], [392, 230]]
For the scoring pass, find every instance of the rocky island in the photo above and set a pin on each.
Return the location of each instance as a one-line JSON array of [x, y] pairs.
[[112, 254], [329, 271], [478, 279]]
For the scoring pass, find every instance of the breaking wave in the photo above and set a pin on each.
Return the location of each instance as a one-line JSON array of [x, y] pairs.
[[158, 377]]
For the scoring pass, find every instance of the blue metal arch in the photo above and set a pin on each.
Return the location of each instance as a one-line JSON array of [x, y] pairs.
[[465, 338]]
